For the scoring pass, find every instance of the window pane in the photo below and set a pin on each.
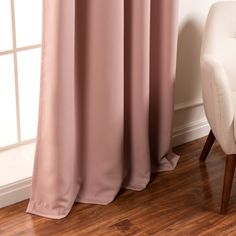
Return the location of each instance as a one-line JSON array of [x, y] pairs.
[[8, 128], [5, 26], [28, 22], [29, 77]]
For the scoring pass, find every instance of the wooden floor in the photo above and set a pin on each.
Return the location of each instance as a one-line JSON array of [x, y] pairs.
[[183, 202]]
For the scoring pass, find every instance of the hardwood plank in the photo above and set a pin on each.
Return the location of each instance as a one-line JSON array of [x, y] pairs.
[[183, 202]]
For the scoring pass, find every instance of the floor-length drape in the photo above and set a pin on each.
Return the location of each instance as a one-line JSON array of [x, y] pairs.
[[106, 100]]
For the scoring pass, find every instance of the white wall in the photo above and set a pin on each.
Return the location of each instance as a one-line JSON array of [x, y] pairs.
[[189, 120]]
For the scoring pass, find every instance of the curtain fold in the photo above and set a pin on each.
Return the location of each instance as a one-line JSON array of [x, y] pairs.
[[106, 100]]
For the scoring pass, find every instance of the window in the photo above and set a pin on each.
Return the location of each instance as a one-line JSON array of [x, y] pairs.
[[20, 52]]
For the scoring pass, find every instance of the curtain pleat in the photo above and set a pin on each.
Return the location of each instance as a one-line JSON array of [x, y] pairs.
[[106, 100]]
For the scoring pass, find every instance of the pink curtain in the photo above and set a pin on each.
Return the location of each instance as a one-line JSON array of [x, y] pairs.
[[106, 101]]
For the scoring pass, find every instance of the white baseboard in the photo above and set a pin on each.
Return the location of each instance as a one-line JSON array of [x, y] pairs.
[[190, 131], [15, 192], [20, 190]]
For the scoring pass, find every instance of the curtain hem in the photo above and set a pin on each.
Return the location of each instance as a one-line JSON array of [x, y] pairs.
[[168, 163], [42, 209]]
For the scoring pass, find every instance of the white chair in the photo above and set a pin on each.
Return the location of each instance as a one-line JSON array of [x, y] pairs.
[[218, 67]]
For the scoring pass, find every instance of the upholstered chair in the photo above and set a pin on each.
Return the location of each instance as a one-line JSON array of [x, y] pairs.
[[218, 68]]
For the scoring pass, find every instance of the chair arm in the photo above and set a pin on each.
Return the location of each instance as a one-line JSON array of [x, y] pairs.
[[218, 105]]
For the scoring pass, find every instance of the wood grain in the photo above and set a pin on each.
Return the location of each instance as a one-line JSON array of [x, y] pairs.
[[183, 202]]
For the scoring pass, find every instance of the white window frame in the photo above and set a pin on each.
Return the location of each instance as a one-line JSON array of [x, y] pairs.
[[14, 52]]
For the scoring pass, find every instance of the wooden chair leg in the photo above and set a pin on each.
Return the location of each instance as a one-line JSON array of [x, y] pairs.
[[207, 147], [228, 180]]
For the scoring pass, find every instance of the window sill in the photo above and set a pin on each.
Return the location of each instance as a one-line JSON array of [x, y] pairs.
[[16, 166]]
